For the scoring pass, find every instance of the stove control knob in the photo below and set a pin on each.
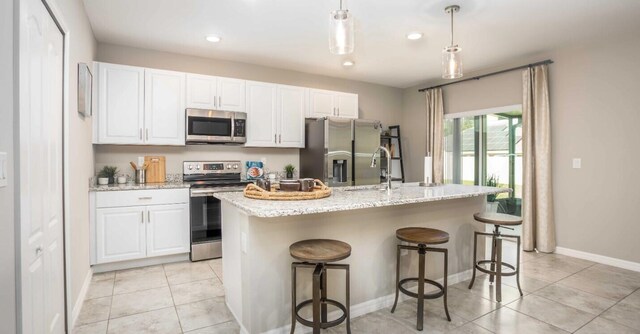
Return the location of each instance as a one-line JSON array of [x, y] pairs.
[[197, 167], [190, 167], [235, 166], [228, 166]]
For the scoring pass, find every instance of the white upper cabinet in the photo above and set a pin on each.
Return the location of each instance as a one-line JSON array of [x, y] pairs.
[[120, 104], [323, 103], [164, 107], [292, 105], [231, 94], [275, 115], [216, 93], [261, 114], [167, 230], [201, 91]]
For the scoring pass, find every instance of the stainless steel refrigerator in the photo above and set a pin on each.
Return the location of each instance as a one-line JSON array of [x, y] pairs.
[[338, 151]]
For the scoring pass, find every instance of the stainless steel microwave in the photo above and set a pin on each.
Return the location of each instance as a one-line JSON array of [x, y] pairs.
[[215, 127]]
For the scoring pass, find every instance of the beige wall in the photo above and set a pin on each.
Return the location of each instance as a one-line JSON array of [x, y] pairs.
[[7, 222], [82, 48], [375, 102], [595, 116]]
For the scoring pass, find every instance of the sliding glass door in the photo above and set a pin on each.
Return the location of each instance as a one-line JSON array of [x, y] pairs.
[[486, 149]]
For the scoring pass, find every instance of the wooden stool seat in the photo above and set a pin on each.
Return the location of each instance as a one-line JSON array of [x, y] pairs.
[[320, 250], [422, 235], [497, 218]]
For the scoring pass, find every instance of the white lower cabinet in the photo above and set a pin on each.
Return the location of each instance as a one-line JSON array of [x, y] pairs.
[[167, 232], [139, 224], [120, 234]]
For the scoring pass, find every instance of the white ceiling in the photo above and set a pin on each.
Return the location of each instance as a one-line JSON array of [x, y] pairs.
[[293, 34]]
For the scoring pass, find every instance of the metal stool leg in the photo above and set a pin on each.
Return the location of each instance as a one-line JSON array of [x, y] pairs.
[[323, 296], [499, 269], [446, 267], [348, 301], [293, 298], [518, 266], [395, 303], [421, 251], [317, 273], [475, 258], [493, 257]]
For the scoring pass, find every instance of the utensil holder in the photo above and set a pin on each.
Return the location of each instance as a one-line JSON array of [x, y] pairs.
[[141, 176]]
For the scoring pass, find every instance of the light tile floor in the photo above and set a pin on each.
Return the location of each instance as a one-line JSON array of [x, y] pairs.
[[561, 295]]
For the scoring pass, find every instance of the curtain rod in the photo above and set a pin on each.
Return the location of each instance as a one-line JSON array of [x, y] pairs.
[[544, 62]]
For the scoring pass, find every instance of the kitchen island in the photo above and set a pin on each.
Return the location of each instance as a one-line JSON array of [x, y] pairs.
[[256, 237]]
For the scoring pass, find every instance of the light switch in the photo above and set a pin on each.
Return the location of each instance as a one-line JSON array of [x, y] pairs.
[[577, 163], [3, 169]]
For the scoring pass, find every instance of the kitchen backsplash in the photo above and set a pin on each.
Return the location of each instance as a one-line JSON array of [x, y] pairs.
[[114, 155]]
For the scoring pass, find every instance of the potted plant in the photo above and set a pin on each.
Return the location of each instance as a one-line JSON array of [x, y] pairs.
[[492, 205], [109, 173], [289, 169]]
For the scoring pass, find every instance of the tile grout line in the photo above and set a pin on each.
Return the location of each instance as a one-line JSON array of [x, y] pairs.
[[607, 309], [175, 309]]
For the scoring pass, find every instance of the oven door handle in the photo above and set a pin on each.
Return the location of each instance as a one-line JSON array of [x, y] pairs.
[[202, 193]]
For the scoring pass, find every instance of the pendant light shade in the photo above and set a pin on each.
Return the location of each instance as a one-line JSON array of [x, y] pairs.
[[341, 36], [451, 57]]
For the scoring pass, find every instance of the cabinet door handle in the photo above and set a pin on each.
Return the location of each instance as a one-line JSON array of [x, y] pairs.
[[280, 138], [338, 111], [142, 217], [275, 138], [220, 101], [144, 198], [147, 133], [140, 133], [148, 216]]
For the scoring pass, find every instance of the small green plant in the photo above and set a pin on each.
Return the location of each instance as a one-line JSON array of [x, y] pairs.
[[108, 172], [492, 181], [289, 169]]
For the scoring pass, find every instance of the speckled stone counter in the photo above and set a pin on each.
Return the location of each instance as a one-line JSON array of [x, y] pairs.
[[134, 186], [358, 197]]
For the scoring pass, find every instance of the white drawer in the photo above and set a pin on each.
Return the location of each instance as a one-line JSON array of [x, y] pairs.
[[112, 199]]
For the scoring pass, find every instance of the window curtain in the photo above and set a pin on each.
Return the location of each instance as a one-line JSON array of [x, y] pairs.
[[435, 132], [538, 230]]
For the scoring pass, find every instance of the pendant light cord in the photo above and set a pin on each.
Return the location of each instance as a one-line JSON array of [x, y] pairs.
[[451, 26], [340, 4]]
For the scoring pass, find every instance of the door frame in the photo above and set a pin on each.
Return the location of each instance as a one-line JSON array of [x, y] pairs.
[[56, 14]]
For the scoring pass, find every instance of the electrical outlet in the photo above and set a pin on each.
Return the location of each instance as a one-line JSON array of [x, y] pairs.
[[3, 169], [577, 163]]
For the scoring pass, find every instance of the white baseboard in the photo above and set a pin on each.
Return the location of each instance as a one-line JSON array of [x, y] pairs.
[[77, 307], [624, 264], [151, 261], [370, 306]]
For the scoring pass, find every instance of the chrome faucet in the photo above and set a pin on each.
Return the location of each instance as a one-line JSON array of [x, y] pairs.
[[373, 164]]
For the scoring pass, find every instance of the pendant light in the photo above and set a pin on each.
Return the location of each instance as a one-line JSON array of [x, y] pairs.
[[451, 58], [341, 36]]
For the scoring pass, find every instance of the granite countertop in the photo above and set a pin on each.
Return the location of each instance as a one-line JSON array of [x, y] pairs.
[[135, 186], [358, 197]]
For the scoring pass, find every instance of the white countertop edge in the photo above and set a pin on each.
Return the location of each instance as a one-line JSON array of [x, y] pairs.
[[274, 213]]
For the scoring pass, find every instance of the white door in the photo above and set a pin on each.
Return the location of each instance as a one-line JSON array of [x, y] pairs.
[[231, 94], [261, 114], [347, 105], [167, 229], [41, 170], [120, 234], [201, 91], [321, 103], [292, 102], [120, 104], [164, 107]]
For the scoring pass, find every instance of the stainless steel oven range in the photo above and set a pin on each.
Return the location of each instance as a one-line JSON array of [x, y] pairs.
[[207, 178]]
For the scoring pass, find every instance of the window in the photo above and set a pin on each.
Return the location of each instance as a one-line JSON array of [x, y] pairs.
[[485, 146]]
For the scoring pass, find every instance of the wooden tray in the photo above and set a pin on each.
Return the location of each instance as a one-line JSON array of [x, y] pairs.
[[255, 192]]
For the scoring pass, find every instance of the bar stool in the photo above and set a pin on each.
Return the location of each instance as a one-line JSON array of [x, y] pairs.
[[423, 237], [317, 253], [499, 220]]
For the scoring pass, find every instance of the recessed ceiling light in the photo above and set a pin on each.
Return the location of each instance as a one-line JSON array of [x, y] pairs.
[[213, 38], [414, 36], [348, 63]]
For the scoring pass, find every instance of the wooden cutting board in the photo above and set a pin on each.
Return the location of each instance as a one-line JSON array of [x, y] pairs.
[[156, 169]]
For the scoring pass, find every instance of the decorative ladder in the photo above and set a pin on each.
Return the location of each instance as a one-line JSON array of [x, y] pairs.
[[392, 139]]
